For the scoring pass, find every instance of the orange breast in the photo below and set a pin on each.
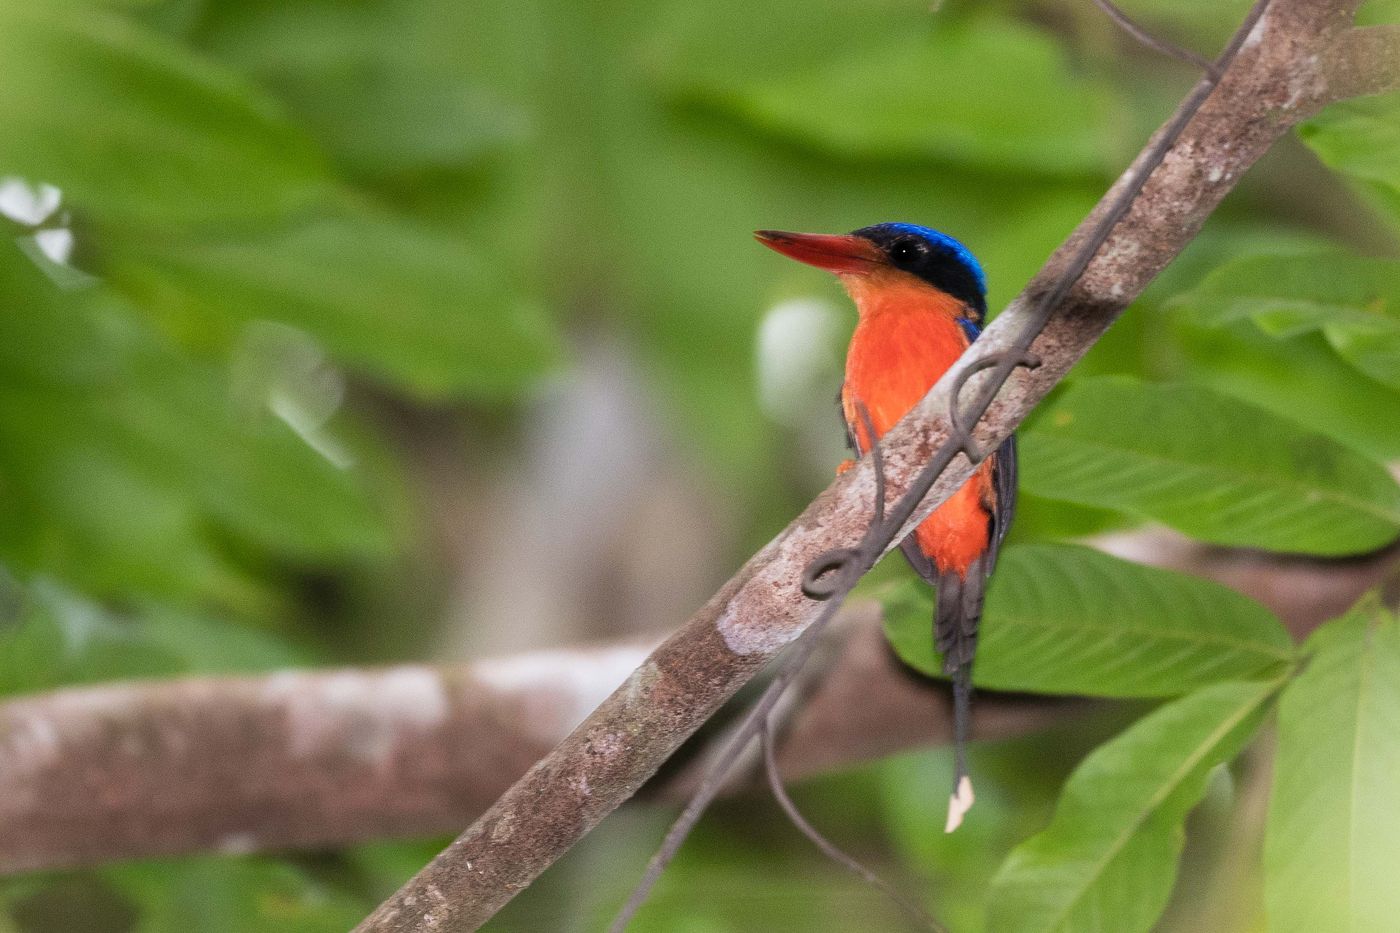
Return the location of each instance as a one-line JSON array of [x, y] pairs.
[[908, 337]]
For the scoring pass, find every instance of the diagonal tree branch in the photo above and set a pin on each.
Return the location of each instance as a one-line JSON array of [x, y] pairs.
[[1276, 80]]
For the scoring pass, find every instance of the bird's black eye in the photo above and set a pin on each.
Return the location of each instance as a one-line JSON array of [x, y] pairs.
[[906, 252]]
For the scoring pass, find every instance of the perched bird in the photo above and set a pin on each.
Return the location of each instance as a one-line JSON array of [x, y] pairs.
[[921, 296]]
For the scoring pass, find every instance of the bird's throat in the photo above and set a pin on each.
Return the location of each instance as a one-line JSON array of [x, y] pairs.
[[908, 336]]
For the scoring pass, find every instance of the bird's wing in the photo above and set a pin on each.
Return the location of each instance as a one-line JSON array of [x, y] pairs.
[[851, 443], [1004, 489], [920, 561], [1003, 479]]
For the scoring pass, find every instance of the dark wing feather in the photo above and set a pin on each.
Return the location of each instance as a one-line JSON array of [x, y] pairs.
[[920, 561], [1004, 487], [851, 443]]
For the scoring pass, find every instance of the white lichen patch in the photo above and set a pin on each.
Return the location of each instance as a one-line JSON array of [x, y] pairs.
[[609, 744], [1256, 35], [1120, 252], [363, 713], [31, 745], [1305, 85], [748, 628], [238, 844], [503, 828], [574, 682], [638, 685], [36, 735]]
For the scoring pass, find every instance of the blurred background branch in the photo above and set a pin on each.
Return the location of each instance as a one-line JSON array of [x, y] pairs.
[[1364, 60], [303, 759]]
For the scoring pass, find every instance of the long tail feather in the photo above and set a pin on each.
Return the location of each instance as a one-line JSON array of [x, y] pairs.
[[957, 613]]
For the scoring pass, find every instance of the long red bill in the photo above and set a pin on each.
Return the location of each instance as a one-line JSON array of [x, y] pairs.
[[836, 253]]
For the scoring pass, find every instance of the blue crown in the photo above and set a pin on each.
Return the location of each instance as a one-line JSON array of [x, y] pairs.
[[944, 243]]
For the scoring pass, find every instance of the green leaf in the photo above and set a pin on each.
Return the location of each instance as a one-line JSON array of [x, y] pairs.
[[1360, 138], [412, 306], [383, 86], [1067, 619], [1353, 301], [1372, 348], [1030, 113], [1301, 379], [41, 345], [1331, 857], [70, 901], [232, 895], [208, 644], [1040, 519], [133, 127], [51, 637], [124, 469], [733, 43], [1209, 466], [1107, 860], [1375, 12]]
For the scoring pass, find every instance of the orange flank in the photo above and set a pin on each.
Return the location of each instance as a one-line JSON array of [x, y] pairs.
[[908, 336]]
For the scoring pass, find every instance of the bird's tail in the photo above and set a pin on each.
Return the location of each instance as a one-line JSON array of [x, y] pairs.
[[956, 615]]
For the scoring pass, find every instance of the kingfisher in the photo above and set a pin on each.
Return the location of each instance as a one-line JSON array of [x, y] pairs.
[[921, 297]]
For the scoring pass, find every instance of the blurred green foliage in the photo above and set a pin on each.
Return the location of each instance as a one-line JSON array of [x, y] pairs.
[[274, 229]]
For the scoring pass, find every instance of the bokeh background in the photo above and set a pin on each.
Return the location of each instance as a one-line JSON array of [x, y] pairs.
[[341, 332]]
